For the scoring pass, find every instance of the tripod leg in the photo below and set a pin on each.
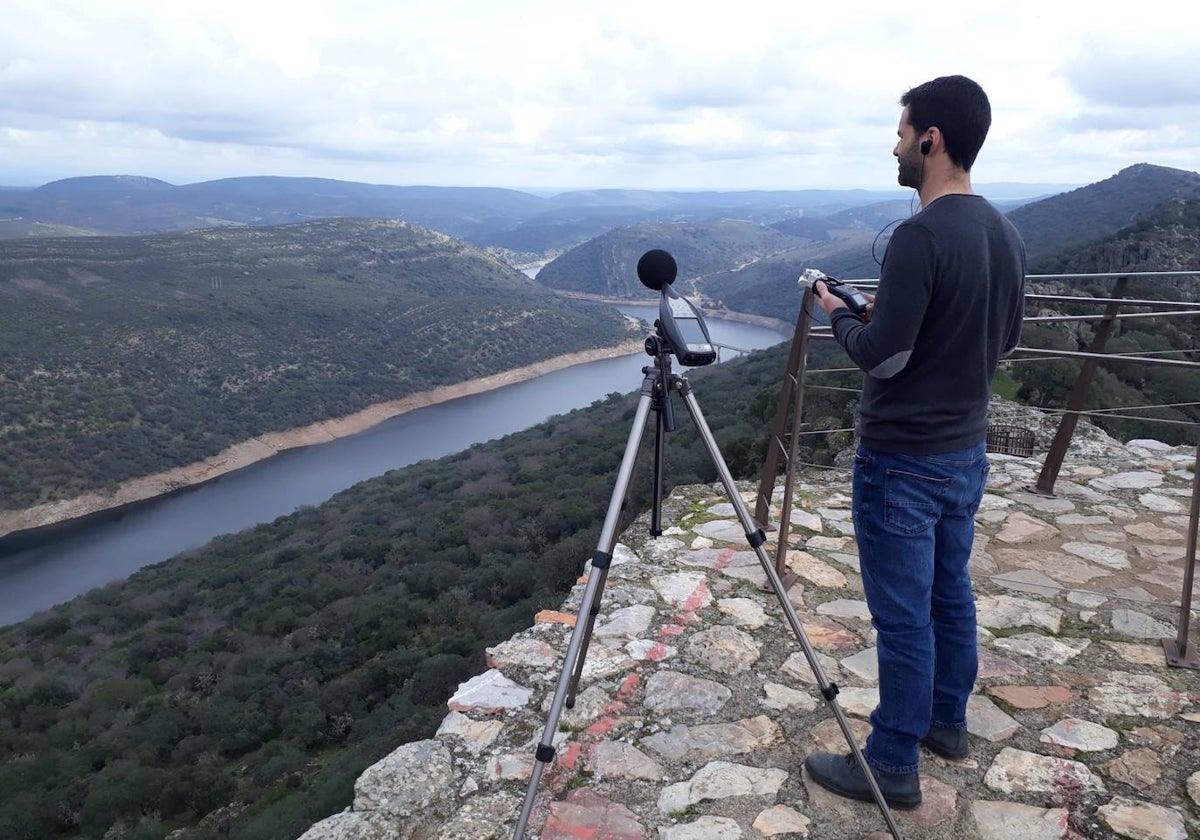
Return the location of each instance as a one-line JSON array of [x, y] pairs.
[[756, 538], [662, 406], [577, 647]]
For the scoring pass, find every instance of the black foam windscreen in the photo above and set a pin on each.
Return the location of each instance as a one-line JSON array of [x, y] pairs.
[[657, 269], [926, 145]]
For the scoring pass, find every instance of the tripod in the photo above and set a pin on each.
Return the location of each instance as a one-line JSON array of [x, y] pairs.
[[657, 386]]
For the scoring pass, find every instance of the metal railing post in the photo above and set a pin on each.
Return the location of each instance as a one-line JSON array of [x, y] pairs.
[[790, 405], [1078, 396], [1176, 649]]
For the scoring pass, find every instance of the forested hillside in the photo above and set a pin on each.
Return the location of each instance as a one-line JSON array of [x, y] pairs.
[[1090, 214], [237, 691], [738, 266], [607, 265], [1166, 238], [125, 356]]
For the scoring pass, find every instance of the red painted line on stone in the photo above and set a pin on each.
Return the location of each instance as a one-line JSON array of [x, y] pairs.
[[601, 727], [684, 618], [696, 599], [558, 827], [657, 652], [671, 630], [629, 685], [570, 756], [724, 558]]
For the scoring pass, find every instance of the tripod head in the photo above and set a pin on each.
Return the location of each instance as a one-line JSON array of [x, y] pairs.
[[680, 328]]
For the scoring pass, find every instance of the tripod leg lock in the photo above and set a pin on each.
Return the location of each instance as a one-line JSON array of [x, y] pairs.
[[830, 693], [545, 753], [756, 538], [601, 560]]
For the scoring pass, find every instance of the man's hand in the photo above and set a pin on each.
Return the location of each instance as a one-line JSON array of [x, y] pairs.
[[829, 302], [826, 301]]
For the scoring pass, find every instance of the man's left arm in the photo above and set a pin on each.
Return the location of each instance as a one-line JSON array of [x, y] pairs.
[[1018, 317], [883, 346]]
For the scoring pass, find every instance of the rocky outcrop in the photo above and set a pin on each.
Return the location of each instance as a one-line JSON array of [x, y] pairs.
[[697, 705]]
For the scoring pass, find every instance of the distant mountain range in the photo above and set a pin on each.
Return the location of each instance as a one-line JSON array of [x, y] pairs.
[[492, 218], [749, 267]]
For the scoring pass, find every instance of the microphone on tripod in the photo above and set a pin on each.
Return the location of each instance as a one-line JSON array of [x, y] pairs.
[[682, 330], [656, 269]]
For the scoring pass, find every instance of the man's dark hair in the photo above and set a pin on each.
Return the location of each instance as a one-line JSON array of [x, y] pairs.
[[959, 108]]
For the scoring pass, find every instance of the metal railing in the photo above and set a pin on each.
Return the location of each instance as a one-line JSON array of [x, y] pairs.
[[787, 428]]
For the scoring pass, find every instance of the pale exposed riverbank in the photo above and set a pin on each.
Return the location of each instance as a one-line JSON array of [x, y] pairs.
[[709, 311], [249, 452]]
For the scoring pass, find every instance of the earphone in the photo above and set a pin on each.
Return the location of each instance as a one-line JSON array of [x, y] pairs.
[[926, 145]]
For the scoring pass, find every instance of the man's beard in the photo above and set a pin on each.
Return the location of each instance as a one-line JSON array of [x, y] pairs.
[[912, 169]]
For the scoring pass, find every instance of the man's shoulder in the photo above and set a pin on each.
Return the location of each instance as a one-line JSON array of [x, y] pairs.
[[951, 213]]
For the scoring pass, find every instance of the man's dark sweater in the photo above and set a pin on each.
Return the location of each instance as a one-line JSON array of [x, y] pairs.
[[949, 306]]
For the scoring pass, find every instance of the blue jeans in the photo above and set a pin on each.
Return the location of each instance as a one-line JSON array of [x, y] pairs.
[[914, 520]]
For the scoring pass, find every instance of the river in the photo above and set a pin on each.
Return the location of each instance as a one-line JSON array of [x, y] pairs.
[[77, 557]]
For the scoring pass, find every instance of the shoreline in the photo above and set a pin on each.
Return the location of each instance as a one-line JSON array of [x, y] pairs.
[[246, 453]]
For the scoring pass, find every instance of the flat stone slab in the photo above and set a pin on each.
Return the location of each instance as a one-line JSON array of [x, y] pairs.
[[1023, 528], [1002, 612], [407, 780], [1139, 625], [1010, 820], [588, 814], [815, 571], [667, 690], [1080, 735], [626, 623], [491, 691], [721, 780], [781, 820], [714, 740], [1153, 533], [1045, 648], [522, 652], [1017, 772], [845, 608], [988, 721], [1031, 696], [1140, 480], [864, 665], [476, 734], [724, 649], [722, 530], [783, 698], [1102, 555], [617, 759], [746, 613], [683, 590], [1140, 695], [705, 828], [1143, 820]]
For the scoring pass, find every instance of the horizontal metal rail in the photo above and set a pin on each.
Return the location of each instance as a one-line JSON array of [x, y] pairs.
[[1169, 304], [1107, 357], [1120, 316]]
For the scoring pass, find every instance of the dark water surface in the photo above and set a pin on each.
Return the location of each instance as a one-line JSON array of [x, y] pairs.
[[78, 557]]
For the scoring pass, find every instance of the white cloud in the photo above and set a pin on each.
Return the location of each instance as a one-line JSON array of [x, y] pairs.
[[573, 93]]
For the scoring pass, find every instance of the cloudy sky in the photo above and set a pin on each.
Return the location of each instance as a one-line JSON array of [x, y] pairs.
[[568, 94]]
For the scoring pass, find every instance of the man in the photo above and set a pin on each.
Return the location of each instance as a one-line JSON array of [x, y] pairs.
[[948, 307]]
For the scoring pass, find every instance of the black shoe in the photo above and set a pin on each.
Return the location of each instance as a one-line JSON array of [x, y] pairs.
[[946, 742], [841, 774]]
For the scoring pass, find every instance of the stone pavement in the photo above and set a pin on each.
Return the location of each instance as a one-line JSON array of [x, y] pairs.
[[697, 706]]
